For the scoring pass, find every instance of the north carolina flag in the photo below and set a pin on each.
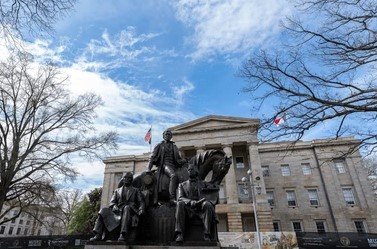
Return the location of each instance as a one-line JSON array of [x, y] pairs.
[[148, 136], [279, 120]]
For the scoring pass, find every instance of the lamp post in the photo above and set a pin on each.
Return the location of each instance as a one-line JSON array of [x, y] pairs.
[[244, 180]]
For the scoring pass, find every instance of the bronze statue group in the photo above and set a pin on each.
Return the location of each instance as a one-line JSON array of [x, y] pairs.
[[192, 197]]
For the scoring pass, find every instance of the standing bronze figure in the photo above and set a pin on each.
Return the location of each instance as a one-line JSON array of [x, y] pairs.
[[191, 201], [166, 157], [126, 205]]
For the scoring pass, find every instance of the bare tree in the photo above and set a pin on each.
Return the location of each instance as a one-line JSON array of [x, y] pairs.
[[323, 73], [33, 17], [42, 127], [370, 163], [59, 211]]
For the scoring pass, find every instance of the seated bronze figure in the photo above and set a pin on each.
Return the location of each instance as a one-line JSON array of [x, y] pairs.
[[192, 201], [126, 205]]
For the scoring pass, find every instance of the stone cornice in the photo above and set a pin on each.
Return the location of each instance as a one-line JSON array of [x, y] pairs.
[[130, 158], [215, 128], [290, 145], [242, 122], [229, 145]]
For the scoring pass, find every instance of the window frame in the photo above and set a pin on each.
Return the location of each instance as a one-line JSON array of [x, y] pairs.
[[324, 226], [301, 226], [264, 171], [303, 165], [294, 195], [242, 198], [237, 164], [365, 229], [2, 229], [344, 166], [278, 225], [317, 197], [285, 166], [353, 196], [273, 197]]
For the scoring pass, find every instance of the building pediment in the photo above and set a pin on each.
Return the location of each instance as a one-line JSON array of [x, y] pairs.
[[215, 122]]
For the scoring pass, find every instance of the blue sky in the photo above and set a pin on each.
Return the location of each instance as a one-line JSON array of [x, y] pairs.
[[159, 62]]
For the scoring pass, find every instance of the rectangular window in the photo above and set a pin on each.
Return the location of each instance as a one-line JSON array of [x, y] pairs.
[[360, 227], [10, 231], [285, 171], [306, 169], [13, 221], [243, 193], [266, 171], [291, 198], [321, 228], [276, 225], [25, 231], [348, 196], [27, 222], [340, 166], [18, 231], [297, 226], [2, 229], [270, 197], [313, 197], [21, 222], [239, 162]]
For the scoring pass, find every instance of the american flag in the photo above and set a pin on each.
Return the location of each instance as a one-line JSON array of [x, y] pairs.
[[148, 136]]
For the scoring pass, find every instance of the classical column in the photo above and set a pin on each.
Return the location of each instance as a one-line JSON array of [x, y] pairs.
[[106, 191], [182, 153], [230, 179], [262, 205], [200, 149], [231, 190]]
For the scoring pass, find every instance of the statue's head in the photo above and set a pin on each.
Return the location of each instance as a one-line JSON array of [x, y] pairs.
[[167, 135], [193, 171], [128, 178]]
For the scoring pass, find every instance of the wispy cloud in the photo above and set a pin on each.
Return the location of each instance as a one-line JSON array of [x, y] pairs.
[[126, 49], [127, 108], [230, 27], [181, 91]]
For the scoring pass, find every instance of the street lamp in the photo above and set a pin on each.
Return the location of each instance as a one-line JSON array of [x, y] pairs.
[[258, 190]]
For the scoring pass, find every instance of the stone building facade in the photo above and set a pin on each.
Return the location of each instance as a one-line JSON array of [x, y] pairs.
[[309, 186], [26, 224]]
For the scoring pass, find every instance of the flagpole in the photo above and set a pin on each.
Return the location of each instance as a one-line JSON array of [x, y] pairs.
[[150, 144]]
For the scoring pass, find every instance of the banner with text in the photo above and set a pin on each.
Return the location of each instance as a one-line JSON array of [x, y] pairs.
[[249, 240]]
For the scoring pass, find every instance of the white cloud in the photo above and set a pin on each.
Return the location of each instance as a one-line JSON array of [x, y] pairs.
[[126, 49], [182, 90], [127, 109], [231, 26]]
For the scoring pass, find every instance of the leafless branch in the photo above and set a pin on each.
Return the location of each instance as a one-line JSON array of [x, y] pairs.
[[323, 76], [41, 127]]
